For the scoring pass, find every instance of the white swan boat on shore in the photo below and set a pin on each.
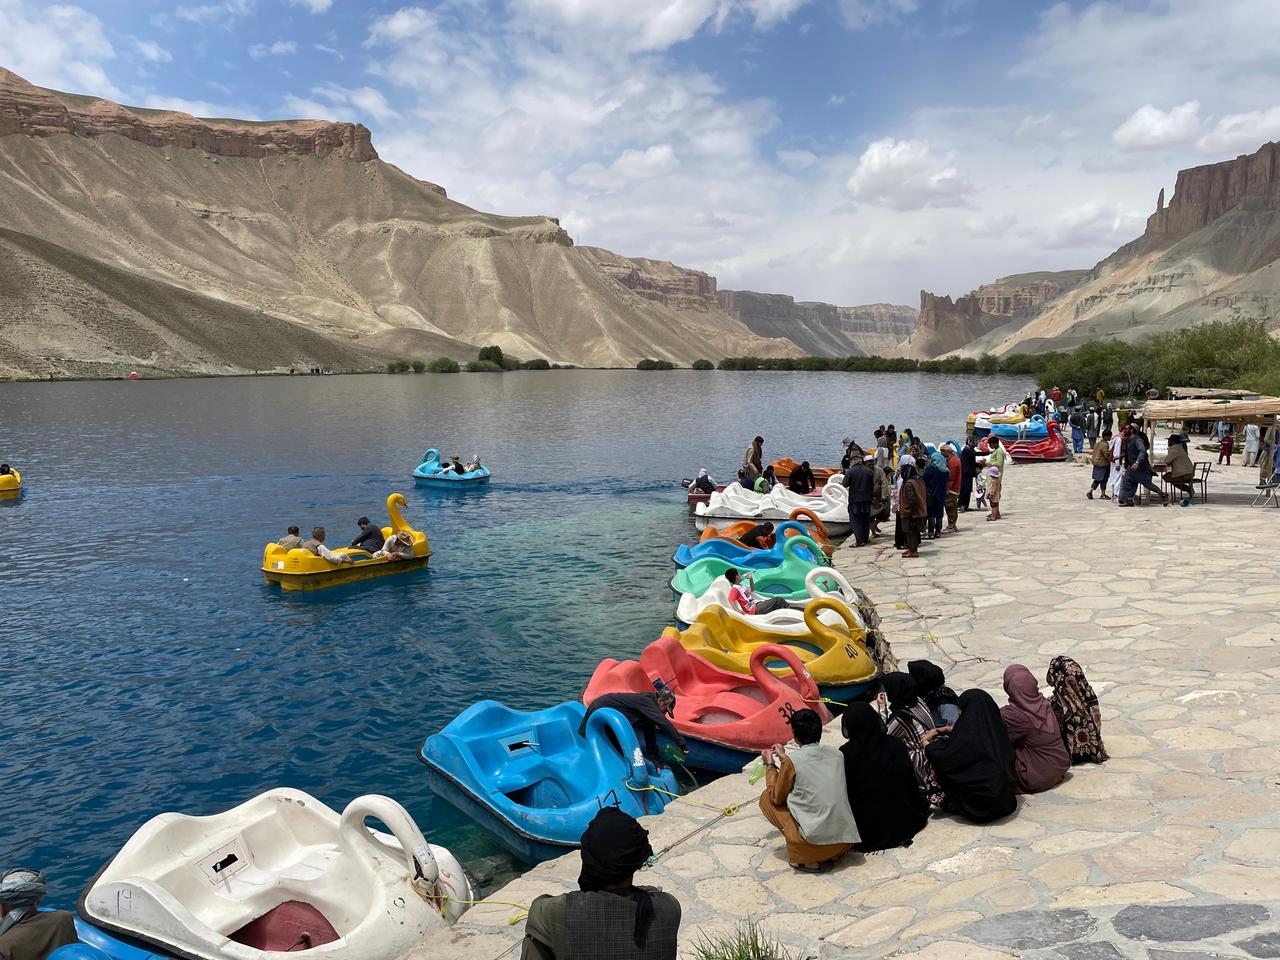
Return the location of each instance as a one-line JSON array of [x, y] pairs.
[[737, 502], [279, 873], [819, 582]]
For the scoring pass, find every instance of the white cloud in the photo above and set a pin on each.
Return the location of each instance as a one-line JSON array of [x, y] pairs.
[[904, 175], [991, 226], [797, 159], [659, 160], [281, 48], [332, 51], [152, 52], [356, 104], [1149, 127], [1242, 131], [769, 12], [1088, 226], [221, 14], [653, 25], [315, 6], [835, 100], [58, 46], [199, 108], [861, 14]]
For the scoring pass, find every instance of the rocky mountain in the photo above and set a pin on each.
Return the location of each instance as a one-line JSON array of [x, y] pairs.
[[823, 329], [944, 326], [153, 240], [1213, 253]]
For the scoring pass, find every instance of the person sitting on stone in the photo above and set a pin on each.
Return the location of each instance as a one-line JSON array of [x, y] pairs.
[[316, 546], [1180, 470], [370, 536], [26, 933], [884, 792], [290, 540], [608, 917], [974, 761], [806, 796], [932, 689], [1040, 759], [648, 713]]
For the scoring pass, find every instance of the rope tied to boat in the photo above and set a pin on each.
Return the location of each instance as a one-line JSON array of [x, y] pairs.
[[523, 907]]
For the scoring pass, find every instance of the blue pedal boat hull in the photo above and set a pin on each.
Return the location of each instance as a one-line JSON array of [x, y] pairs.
[[431, 473], [745, 557]]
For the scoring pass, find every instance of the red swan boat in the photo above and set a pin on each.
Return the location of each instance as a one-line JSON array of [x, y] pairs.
[[1052, 447]]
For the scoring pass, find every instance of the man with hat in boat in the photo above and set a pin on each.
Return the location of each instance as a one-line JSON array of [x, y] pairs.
[[608, 917], [648, 713], [26, 933]]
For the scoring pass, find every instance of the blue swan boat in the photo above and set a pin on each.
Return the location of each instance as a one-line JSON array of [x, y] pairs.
[[431, 472], [533, 782], [747, 558], [1033, 429]]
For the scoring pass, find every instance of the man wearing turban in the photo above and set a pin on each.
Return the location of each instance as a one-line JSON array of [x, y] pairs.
[[25, 933], [608, 917]]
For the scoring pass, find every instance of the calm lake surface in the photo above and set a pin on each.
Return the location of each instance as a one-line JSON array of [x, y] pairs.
[[147, 667]]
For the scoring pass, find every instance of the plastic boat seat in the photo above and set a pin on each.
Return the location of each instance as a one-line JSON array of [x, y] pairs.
[[731, 705]]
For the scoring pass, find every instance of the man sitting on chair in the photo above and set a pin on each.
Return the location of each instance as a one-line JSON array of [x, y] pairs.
[[1180, 470]]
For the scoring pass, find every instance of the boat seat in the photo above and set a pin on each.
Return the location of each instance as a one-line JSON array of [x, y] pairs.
[[728, 703]]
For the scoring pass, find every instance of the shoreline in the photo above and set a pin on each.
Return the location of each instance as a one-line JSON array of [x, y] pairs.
[[1179, 639]]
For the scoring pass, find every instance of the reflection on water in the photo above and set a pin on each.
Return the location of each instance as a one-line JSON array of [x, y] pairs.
[[148, 668]]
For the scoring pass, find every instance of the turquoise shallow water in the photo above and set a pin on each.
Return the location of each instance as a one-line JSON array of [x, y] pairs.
[[147, 667]]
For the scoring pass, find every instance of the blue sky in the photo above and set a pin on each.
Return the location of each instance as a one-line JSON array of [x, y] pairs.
[[843, 150]]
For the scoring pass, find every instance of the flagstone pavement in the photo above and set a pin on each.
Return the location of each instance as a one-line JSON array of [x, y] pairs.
[[1170, 851]]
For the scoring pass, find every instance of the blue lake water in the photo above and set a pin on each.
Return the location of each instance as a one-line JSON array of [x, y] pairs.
[[147, 667]]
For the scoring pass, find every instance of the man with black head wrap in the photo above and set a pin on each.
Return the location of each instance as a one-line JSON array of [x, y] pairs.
[[608, 917], [25, 933]]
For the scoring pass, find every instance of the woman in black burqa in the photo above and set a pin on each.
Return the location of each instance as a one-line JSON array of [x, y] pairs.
[[974, 764], [884, 791], [931, 687], [608, 917]]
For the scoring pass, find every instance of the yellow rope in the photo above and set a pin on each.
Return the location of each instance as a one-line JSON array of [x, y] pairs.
[[523, 907], [728, 811]]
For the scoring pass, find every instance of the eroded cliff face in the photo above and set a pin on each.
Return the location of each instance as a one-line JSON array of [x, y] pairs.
[[823, 329], [661, 281]]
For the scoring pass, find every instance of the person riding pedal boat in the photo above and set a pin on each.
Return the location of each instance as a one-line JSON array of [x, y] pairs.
[[26, 933]]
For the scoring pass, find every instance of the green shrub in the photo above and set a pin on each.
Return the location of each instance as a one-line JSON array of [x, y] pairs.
[[648, 364], [483, 366], [509, 363], [703, 365], [399, 366], [748, 942], [492, 354], [443, 365], [419, 366], [537, 363]]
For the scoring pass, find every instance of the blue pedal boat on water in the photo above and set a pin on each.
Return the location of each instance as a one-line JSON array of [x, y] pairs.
[[533, 782], [745, 557], [431, 472]]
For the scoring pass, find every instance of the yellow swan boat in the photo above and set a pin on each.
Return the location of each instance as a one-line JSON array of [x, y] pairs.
[[10, 484], [300, 569], [836, 656]]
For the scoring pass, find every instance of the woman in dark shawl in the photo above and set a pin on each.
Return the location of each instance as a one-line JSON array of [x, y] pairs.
[[884, 791], [1076, 707], [913, 508], [909, 720], [1039, 758], [931, 687], [974, 763]]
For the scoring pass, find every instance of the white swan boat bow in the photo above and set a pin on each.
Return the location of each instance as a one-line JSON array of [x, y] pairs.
[[737, 502]]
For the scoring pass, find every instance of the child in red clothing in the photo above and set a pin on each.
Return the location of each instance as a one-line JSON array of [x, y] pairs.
[[1228, 444]]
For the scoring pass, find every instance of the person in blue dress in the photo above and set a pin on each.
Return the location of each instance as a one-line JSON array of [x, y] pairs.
[[936, 477]]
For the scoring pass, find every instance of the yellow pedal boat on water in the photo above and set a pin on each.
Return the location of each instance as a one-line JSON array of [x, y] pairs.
[[300, 569], [10, 484], [836, 656]]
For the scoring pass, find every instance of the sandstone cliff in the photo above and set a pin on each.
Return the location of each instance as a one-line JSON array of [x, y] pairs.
[[945, 327], [153, 240], [1211, 254], [823, 329]]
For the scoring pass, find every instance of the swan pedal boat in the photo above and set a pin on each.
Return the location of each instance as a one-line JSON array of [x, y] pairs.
[[741, 555], [725, 718], [980, 421], [733, 532], [785, 579], [1050, 447], [836, 656], [818, 582], [10, 485], [300, 569], [1032, 429], [736, 502], [533, 782], [431, 473], [277, 873]]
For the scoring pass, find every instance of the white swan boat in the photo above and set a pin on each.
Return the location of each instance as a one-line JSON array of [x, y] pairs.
[[277, 874], [737, 502], [789, 620]]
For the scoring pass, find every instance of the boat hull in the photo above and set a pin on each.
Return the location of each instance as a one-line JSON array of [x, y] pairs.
[[344, 574]]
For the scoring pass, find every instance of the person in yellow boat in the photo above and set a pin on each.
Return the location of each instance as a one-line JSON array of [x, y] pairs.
[[26, 933], [5, 470], [370, 537], [316, 546], [397, 547], [290, 540]]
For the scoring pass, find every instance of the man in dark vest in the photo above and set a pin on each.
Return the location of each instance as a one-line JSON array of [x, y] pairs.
[[26, 933], [608, 917]]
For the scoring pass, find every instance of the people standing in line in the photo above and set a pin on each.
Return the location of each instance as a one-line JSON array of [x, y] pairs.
[[936, 478], [1252, 444], [888, 806], [974, 762], [1076, 707], [952, 502], [1101, 461], [997, 461], [1228, 445], [1180, 470], [860, 481], [968, 472], [290, 540], [914, 508], [806, 796], [900, 518], [1040, 760]]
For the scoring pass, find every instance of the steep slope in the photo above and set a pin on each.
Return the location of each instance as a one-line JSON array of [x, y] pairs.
[[1211, 254], [967, 325], [823, 329], [300, 223]]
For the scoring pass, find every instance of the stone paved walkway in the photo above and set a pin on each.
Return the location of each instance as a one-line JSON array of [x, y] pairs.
[[1170, 851]]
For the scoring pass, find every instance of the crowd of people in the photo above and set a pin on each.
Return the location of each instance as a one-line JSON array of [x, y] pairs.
[[370, 539], [922, 747]]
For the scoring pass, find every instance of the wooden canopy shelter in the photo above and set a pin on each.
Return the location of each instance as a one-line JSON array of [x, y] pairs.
[[1209, 393], [1263, 411]]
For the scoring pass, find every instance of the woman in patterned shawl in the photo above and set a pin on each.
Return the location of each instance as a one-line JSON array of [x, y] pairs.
[[1076, 707], [909, 720]]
